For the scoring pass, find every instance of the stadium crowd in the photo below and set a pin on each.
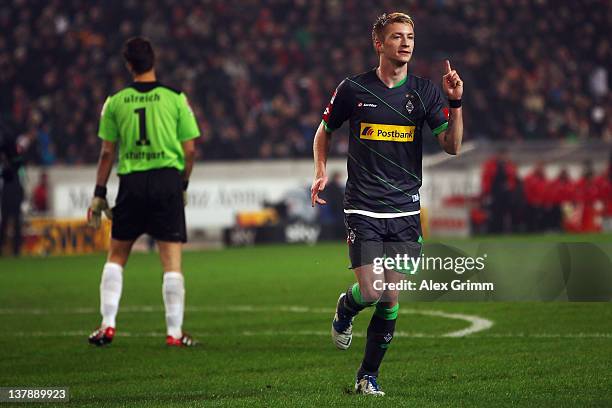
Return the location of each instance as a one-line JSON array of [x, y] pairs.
[[258, 73], [538, 202]]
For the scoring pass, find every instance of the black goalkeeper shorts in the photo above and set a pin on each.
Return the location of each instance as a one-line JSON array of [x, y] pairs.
[[150, 202], [370, 238]]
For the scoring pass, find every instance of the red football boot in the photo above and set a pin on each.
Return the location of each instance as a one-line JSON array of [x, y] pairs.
[[184, 341], [102, 337]]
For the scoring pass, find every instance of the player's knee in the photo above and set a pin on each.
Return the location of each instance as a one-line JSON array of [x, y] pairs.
[[370, 295]]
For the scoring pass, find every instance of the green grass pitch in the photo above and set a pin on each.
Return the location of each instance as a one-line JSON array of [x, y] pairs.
[[262, 316]]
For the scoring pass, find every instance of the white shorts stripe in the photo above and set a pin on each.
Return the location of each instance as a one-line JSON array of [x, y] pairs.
[[382, 215]]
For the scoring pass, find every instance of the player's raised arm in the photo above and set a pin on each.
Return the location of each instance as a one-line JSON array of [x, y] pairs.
[[451, 138], [320, 151]]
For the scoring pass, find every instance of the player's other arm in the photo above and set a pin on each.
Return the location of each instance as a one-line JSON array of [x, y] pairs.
[[188, 131], [190, 152], [451, 138], [109, 134], [98, 202], [320, 149], [337, 111], [105, 163]]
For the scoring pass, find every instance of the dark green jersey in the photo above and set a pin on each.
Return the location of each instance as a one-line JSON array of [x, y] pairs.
[[385, 144], [149, 122]]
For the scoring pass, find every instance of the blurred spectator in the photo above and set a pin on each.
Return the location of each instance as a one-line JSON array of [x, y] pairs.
[[537, 197], [501, 193], [40, 194], [561, 192], [260, 73], [604, 185], [587, 197], [11, 171]]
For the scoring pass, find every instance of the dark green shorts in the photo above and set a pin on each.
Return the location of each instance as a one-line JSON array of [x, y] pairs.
[[370, 238]]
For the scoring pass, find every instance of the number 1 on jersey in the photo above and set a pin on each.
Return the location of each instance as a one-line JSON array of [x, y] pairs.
[[142, 127]]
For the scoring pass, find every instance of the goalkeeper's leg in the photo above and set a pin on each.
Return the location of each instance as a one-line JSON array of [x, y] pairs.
[[173, 291], [111, 286]]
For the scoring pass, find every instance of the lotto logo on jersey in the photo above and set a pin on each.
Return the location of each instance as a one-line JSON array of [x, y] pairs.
[[387, 133]]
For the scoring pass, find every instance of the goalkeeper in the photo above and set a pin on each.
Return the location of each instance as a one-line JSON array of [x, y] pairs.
[[154, 129]]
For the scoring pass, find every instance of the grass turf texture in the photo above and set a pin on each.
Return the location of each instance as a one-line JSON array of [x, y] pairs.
[[536, 354]]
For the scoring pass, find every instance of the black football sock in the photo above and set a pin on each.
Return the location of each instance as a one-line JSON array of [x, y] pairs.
[[380, 334]]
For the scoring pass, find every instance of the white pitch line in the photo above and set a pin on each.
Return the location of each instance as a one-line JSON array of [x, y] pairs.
[[477, 323], [316, 333]]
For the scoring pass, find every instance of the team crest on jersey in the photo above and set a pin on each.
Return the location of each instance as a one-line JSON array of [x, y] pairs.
[[409, 106]]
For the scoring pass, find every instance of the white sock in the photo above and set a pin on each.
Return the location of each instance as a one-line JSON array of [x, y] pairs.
[[110, 293], [173, 290]]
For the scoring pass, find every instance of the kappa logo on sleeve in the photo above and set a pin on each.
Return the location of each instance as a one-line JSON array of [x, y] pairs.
[[387, 133]]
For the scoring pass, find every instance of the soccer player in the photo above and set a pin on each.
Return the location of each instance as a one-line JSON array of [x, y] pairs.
[[387, 109], [154, 129]]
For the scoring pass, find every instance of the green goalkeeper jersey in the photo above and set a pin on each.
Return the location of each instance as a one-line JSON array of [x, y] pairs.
[[148, 121]]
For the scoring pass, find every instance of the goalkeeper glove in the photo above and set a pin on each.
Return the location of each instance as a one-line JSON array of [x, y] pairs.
[[185, 185], [97, 207]]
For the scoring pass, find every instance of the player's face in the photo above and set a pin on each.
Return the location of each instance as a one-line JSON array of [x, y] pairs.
[[399, 43]]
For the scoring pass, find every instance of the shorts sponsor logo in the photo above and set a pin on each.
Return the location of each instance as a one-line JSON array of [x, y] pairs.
[[387, 133]]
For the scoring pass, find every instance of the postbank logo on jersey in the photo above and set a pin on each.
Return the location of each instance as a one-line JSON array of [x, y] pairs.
[[387, 133]]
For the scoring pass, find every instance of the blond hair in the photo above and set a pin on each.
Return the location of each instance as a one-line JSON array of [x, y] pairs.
[[385, 19]]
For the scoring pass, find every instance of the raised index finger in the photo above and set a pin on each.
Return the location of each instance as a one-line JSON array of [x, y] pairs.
[[447, 66]]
